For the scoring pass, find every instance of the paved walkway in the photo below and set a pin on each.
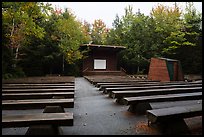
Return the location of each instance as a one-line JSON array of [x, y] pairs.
[[97, 114]]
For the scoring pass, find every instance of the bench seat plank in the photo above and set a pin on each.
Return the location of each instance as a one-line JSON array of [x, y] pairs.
[[162, 98], [36, 103], [35, 87], [103, 84], [11, 96], [158, 105], [171, 113], [25, 120], [36, 90], [135, 93], [39, 84], [108, 90], [103, 87], [94, 82]]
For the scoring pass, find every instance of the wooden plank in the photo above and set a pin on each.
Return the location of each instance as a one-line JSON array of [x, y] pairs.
[[36, 103], [108, 87], [120, 80], [10, 96], [162, 98], [43, 79], [172, 113], [126, 83], [158, 105], [108, 90], [35, 87], [39, 84], [102, 87], [135, 93], [37, 90], [25, 120], [106, 84]]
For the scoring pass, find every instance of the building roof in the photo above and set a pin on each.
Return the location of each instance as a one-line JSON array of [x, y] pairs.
[[168, 59], [104, 46]]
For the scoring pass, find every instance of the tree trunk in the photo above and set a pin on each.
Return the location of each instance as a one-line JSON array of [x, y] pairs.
[[16, 56], [62, 64]]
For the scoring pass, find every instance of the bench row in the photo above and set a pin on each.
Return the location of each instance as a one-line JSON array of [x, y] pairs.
[[163, 103], [38, 96]]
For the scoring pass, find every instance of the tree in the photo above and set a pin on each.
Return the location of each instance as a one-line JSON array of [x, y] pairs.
[[168, 26], [190, 51], [99, 32], [20, 21], [71, 36], [136, 32]]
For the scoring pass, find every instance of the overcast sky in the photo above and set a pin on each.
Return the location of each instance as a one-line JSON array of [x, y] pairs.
[[107, 11]]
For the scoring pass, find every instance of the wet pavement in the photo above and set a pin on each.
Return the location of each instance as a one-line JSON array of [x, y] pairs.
[[97, 114]]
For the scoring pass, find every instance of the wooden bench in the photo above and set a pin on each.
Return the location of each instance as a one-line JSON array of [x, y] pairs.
[[25, 120], [134, 93], [142, 103], [98, 85], [35, 87], [36, 103], [37, 90], [108, 90], [38, 84], [159, 105], [171, 119], [10, 96], [126, 83], [94, 82], [103, 87]]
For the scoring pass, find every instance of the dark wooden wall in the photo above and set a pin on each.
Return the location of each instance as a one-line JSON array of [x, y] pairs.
[[110, 55]]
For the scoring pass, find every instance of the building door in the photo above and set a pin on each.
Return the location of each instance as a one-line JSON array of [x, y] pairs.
[[170, 68]]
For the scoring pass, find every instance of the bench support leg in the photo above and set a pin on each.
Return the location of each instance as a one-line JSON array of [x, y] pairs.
[[175, 127], [139, 108], [47, 129], [120, 101]]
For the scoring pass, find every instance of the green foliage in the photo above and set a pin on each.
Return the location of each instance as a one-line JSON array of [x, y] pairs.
[[165, 33], [40, 40], [99, 32], [71, 36]]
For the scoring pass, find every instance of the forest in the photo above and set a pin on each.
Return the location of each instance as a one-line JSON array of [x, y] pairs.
[[39, 40]]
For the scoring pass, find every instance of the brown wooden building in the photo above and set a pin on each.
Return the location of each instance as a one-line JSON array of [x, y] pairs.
[[101, 59], [165, 69]]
